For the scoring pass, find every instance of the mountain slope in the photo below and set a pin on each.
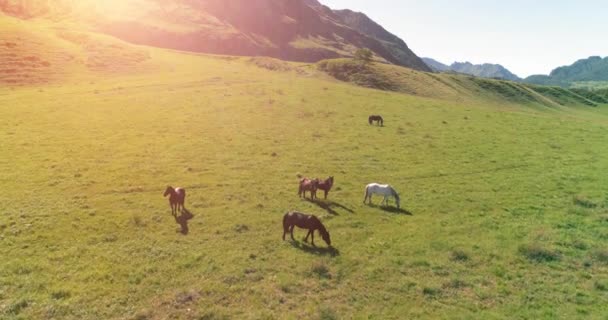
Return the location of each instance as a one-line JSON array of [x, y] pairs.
[[485, 70], [396, 46], [298, 30], [436, 65], [456, 87], [592, 69]]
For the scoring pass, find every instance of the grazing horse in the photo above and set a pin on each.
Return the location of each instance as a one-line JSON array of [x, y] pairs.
[[378, 119], [381, 189], [326, 185], [308, 185], [304, 221], [177, 197]]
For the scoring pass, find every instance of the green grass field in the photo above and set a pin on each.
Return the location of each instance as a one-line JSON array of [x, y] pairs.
[[508, 202]]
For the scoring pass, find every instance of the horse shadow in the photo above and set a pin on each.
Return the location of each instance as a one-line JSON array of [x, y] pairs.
[[329, 205], [322, 251], [391, 209], [183, 219]]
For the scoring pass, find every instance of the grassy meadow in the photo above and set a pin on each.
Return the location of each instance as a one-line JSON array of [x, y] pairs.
[[507, 203]]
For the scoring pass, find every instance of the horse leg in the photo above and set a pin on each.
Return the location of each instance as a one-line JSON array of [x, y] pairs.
[[291, 230], [312, 236], [326, 192], [307, 235]]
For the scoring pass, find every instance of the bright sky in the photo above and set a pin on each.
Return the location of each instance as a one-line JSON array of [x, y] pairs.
[[527, 37]]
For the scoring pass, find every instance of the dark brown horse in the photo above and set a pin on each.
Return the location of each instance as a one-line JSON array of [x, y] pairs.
[[304, 221], [378, 119], [177, 197], [326, 185], [308, 185]]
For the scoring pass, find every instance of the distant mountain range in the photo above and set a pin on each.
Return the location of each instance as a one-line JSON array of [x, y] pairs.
[[297, 30], [486, 70], [588, 72]]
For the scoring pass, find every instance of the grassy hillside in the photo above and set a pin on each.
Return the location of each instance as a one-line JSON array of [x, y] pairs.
[[455, 87], [506, 205], [41, 53]]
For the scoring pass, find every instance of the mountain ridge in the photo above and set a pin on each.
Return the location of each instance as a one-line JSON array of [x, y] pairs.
[[295, 30], [486, 70], [592, 69]]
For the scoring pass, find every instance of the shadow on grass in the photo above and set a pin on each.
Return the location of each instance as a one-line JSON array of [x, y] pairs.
[[391, 209], [329, 206], [183, 219], [323, 251]]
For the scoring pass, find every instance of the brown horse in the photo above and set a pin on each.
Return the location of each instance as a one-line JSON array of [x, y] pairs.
[[177, 197], [378, 119], [326, 185], [304, 221], [308, 185]]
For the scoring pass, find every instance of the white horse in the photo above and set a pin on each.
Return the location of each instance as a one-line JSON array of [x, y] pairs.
[[381, 189]]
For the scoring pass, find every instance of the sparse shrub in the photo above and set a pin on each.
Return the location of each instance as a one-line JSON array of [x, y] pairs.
[[537, 253], [459, 256], [321, 269], [580, 245], [16, 307], [431, 292], [601, 256], [138, 221], [240, 228], [601, 286], [60, 294], [584, 202], [326, 313], [364, 55], [456, 284], [212, 316], [110, 238]]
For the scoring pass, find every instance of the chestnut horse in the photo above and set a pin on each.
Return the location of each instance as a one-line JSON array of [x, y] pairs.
[[308, 185], [177, 197], [304, 221], [326, 185], [378, 119]]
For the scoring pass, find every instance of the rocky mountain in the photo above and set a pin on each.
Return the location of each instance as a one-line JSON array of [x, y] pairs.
[[395, 45], [486, 70], [592, 69], [436, 65], [298, 30]]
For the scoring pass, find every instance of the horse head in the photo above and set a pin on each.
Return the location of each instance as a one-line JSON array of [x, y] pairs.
[[168, 191], [325, 236], [397, 200]]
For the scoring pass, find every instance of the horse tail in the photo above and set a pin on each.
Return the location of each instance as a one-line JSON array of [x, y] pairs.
[[285, 224], [366, 193]]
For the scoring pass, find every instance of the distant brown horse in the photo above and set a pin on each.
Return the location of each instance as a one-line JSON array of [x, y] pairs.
[[326, 185], [308, 185], [304, 221], [177, 197], [378, 119]]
